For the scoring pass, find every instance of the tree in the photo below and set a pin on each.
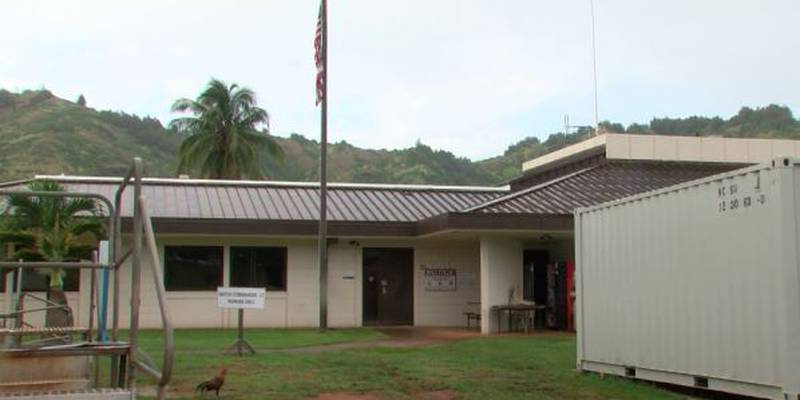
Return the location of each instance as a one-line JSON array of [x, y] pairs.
[[640, 129], [51, 229], [81, 101], [611, 127], [227, 136]]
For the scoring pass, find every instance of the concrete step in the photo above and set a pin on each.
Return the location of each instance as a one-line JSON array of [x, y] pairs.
[[94, 394], [68, 350], [43, 385]]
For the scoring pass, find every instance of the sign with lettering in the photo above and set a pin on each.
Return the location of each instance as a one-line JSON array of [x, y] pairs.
[[738, 195], [440, 279], [236, 297]]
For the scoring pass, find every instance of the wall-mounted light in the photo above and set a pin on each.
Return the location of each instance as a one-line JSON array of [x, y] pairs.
[[546, 238], [354, 243]]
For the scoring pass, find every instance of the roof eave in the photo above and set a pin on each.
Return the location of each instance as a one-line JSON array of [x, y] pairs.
[[287, 184], [429, 226], [495, 222]]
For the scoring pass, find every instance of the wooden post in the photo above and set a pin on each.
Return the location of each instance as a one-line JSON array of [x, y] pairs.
[[8, 297], [18, 306], [10, 303], [241, 324], [136, 277], [241, 347]]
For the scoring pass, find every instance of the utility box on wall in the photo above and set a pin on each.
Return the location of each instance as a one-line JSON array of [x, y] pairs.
[[696, 284]]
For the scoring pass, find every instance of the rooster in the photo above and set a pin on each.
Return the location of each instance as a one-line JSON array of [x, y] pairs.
[[214, 383]]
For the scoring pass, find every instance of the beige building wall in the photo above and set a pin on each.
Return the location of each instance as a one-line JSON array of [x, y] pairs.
[[501, 270], [430, 308], [447, 308], [344, 285], [674, 148], [501, 264], [697, 149], [496, 261], [198, 309], [298, 305]]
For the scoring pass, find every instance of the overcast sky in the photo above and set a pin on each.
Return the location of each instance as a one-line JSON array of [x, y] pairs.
[[471, 76]]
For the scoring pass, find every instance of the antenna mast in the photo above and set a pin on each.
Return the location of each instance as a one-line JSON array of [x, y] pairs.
[[594, 71]]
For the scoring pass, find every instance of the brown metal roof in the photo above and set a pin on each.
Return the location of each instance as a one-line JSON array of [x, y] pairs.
[[198, 206], [597, 184], [288, 201]]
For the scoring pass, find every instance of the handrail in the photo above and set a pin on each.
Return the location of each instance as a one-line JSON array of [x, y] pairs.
[[149, 370], [142, 226], [54, 264], [136, 273], [142, 229], [122, 259], [116, 249], [113, 237], [166, 320], [23, 312]]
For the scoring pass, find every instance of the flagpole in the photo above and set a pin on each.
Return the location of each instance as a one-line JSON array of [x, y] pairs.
[[323, 179]]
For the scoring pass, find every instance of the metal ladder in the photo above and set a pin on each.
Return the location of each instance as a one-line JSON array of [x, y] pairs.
[[126, 356]]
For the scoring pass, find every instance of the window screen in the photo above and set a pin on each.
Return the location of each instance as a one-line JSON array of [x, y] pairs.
[[192, 267], [259, 267]]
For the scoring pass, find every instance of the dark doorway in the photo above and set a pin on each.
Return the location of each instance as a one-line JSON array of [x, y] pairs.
[[534, 275], [388, 288]]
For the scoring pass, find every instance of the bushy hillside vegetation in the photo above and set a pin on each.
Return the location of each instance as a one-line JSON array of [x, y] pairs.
[[41, 133]]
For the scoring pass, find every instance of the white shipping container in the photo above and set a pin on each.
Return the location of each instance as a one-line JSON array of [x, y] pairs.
[[697, 284]]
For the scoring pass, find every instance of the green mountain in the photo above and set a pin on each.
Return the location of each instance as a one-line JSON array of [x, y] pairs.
[[41, 133], [347, 163]]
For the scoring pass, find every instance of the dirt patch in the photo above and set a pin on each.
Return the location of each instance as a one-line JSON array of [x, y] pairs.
[[396, 337], [439, 334], [348, 396], [440, 395], [437, 395]]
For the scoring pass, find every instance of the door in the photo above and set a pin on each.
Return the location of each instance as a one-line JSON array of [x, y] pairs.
[[388, 287], [534, 275]]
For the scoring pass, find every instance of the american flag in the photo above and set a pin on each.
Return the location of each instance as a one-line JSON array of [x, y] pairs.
[[319, 57]]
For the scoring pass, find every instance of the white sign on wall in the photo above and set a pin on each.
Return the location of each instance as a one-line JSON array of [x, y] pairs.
[[236, 297], [440, 279]]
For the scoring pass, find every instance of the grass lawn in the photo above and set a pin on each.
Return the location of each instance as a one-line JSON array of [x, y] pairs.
[[208, 341], [519, 367]]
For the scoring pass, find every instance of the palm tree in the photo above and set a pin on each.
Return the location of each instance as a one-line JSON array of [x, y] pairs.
[[51, 229], [227, 133]]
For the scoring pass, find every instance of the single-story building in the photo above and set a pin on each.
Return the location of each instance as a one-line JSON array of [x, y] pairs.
[[399, 254]]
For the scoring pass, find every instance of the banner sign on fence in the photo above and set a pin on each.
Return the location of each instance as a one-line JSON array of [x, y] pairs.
[[237, 297], [440, 279]]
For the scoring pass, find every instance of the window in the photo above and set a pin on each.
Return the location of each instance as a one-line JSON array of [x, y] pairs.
[[192, 267], [259, 267]]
